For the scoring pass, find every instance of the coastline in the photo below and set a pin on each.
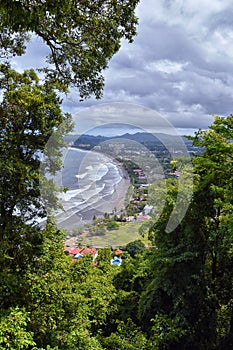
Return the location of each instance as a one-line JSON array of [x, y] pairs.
[[122, 188], [108, 204]]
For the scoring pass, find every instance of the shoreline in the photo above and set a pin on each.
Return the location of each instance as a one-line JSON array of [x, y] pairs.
[[109, 204]]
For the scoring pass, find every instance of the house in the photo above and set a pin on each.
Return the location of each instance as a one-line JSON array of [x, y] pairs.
[[77, 253]]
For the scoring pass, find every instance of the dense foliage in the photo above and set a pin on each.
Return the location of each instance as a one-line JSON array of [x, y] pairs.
[[81, 36], [188, 302], [176, 295]]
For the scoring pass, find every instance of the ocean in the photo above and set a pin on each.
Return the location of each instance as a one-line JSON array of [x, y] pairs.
[[91, 179]]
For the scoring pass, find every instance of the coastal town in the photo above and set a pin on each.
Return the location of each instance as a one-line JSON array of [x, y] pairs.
[[134, 212], [141, 167]]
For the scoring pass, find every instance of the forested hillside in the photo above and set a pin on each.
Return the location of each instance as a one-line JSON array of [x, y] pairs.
[[177, 295]]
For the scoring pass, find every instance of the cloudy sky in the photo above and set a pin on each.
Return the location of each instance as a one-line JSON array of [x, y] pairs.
[[180, 66]]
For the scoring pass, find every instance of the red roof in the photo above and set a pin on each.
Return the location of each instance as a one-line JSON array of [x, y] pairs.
[[74, 251], [118, 252], [88, 251]]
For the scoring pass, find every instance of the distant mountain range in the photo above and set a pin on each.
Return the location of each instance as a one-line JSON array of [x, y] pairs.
[[151, 141]]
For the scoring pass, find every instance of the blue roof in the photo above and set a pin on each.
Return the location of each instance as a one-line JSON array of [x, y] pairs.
[[116, 261]]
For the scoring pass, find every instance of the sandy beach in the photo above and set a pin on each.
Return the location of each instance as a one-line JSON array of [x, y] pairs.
[[109, 204]]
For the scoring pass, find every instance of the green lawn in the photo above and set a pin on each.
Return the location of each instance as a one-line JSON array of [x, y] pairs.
[[127, 232]]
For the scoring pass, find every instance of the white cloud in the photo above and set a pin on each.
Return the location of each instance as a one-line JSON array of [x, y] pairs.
[[165, 66]]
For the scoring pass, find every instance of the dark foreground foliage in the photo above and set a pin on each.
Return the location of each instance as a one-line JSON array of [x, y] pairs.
[[178, 296]]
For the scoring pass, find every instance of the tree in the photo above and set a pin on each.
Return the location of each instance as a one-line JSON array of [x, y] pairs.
[[46, 300], [135, 247], [81, 35], [13, 332], [104, 258], [112, 225], [192, 279], [214, 168], [30, 113], [56, 302], [127, 336]]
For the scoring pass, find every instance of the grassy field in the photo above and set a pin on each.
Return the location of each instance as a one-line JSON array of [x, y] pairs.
[[127, 232]]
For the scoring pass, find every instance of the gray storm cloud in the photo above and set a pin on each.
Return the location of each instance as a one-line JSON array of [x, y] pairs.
[[180, 63]]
